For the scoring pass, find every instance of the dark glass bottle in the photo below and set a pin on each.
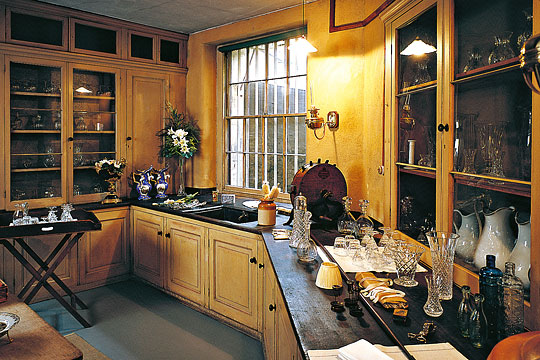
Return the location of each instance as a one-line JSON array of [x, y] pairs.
[[511, 300], [478, 326], [465, 310], [489, 278]]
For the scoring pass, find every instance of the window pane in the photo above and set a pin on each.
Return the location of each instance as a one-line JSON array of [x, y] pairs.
[[235, 177], [235, 135], [277, 63], [237, 66], [255, 98], [297, 62], [296, 135], [254, 135], [277, 96], [257, 63], [274, 135], [254, 171], [297, 95], [237, 103], [293, 164], [274, 170]]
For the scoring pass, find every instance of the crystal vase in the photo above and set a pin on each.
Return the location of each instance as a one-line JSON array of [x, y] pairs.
[[443, 245], [433, 307], [406, 258], [181, 177]]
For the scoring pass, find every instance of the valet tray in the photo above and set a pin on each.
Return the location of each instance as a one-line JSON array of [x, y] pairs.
[[86, 221]]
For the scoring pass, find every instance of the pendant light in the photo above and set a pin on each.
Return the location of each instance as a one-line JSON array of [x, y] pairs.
[[418, 47], [301, 44]]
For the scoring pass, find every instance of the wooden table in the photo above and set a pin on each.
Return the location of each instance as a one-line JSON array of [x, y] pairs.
[[33, 338]]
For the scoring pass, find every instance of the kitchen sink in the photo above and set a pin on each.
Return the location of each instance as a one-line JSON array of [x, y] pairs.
[[221, 212]]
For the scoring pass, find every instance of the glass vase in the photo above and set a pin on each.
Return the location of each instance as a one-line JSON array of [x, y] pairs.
[[433, 307], [443, 245], [511, 300], [181, 178], [406, 258], [465, 310], [478, 327], [298, 230]]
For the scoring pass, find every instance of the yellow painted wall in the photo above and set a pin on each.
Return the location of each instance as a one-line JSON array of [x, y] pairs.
[[346, 75]]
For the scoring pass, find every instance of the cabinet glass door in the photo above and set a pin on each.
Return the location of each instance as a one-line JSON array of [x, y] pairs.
[[94, 128], [492, 130], [35, 113], [416, 124]]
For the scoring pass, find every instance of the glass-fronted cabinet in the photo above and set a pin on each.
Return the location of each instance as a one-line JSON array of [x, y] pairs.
[[35, 164], [415, 126], [492, 133], [94, 125]]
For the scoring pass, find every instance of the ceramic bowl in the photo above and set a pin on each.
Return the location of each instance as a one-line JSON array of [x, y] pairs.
[[7, 321]]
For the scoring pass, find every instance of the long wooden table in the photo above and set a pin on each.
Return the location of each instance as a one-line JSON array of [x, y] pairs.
[[33, 338]]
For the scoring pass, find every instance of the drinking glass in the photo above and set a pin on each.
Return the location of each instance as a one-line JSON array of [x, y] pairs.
[[433, 307], [340, 247], [18, 215]]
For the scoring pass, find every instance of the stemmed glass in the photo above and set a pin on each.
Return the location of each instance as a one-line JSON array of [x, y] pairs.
[[66, 212], [51, 217]]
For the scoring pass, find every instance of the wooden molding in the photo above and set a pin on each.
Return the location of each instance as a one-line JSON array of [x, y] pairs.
[[155, 53], [357, 24]]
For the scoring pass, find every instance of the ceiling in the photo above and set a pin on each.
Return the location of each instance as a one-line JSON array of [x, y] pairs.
[[185, 16]]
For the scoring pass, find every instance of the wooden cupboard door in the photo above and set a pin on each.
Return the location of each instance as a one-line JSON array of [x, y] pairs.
[[104, 254], [233, 276], [43, 245], [147, 247], [269, 309], [186, 271], [147, 93], [286, 345]]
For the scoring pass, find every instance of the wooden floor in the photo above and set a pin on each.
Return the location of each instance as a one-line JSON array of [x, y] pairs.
[[134, 321]]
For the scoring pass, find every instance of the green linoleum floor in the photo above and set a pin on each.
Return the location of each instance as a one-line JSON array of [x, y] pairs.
[[131, 320]]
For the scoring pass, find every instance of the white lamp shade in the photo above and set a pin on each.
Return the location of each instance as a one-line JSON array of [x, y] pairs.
[[328, 276], [418, 47], [302, 45]]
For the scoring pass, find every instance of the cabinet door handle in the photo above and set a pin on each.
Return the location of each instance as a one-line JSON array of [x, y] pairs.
[[271, 307], [160, 232], [261, 266], [70, 138], [128, 138], [253, 260], [168, 235], [442, 127]]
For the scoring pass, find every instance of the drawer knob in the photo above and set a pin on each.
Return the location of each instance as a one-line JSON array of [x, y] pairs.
[[168, 235], [253, 260], [271, 307], [160, 232], [261, 266]]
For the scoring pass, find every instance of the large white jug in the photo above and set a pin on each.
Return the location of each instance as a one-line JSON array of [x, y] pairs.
[[468, 232], [521, 255], [496, 238]]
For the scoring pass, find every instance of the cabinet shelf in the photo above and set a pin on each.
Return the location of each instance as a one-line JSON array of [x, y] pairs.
[[95, 152], [488, 70], [96, 132], [25, 93], [417, 88], [34, 109], [93, 112], [419, 170], [508, 186], [93, 97], [35, 132], [35, 170]]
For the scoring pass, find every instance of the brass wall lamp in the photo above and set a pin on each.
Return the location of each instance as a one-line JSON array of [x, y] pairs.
[[315, 122], [529, 58]]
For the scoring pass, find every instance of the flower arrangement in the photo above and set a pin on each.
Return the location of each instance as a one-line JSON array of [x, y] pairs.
[[110, 168], [181, 135]]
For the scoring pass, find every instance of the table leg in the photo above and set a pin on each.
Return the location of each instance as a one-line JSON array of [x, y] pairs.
[[44, 265]]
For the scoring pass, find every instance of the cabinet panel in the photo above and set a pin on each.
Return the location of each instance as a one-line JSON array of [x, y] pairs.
[[148, 247], [233, 280], [186, 273], [104, 254], [269, 309], [147, 93], [286, 345]]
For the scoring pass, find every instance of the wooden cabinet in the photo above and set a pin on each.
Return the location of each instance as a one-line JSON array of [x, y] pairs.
[[104, 255], [148, 260], [278, 335], [234, 275], [186, 259]]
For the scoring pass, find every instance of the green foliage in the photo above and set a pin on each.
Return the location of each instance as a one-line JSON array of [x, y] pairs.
[[181, 135]]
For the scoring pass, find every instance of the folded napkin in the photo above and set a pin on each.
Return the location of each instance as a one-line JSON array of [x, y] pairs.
[[361, 350]]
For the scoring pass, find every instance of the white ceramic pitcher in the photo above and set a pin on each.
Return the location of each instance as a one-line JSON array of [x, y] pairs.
[[468, 232], [496, 238], [521, 255]]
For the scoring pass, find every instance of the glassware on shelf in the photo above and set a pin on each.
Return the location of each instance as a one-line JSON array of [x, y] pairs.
[[521, 254], [50, 159], [527, 29], [491, 136], [474, 60], [465, 310], [433, 306], [80, 124], [58, 121], [501, 48], [363, 221], [469, 232], [37, 122], [489, 278], [17, 123], [306, 249], [77, 190], [421, 72], [478, 326], [78, 157], [442, 246], [511, 300], [346, 222], [300, 207], [406, 258]]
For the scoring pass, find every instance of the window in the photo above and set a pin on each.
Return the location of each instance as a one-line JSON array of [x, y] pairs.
[[265, 131]]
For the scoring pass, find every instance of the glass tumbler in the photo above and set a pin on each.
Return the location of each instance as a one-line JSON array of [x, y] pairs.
[[340, 246]]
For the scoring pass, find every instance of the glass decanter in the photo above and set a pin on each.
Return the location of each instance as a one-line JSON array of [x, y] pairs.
[[297, 233], [346, 222], [306, 249], [465, 310], [489, 278], [363, 221], [511, 300], [478, 326]]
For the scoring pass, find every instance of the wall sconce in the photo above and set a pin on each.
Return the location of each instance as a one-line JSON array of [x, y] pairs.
[[529, 58], [314, 121], [418, 47]]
